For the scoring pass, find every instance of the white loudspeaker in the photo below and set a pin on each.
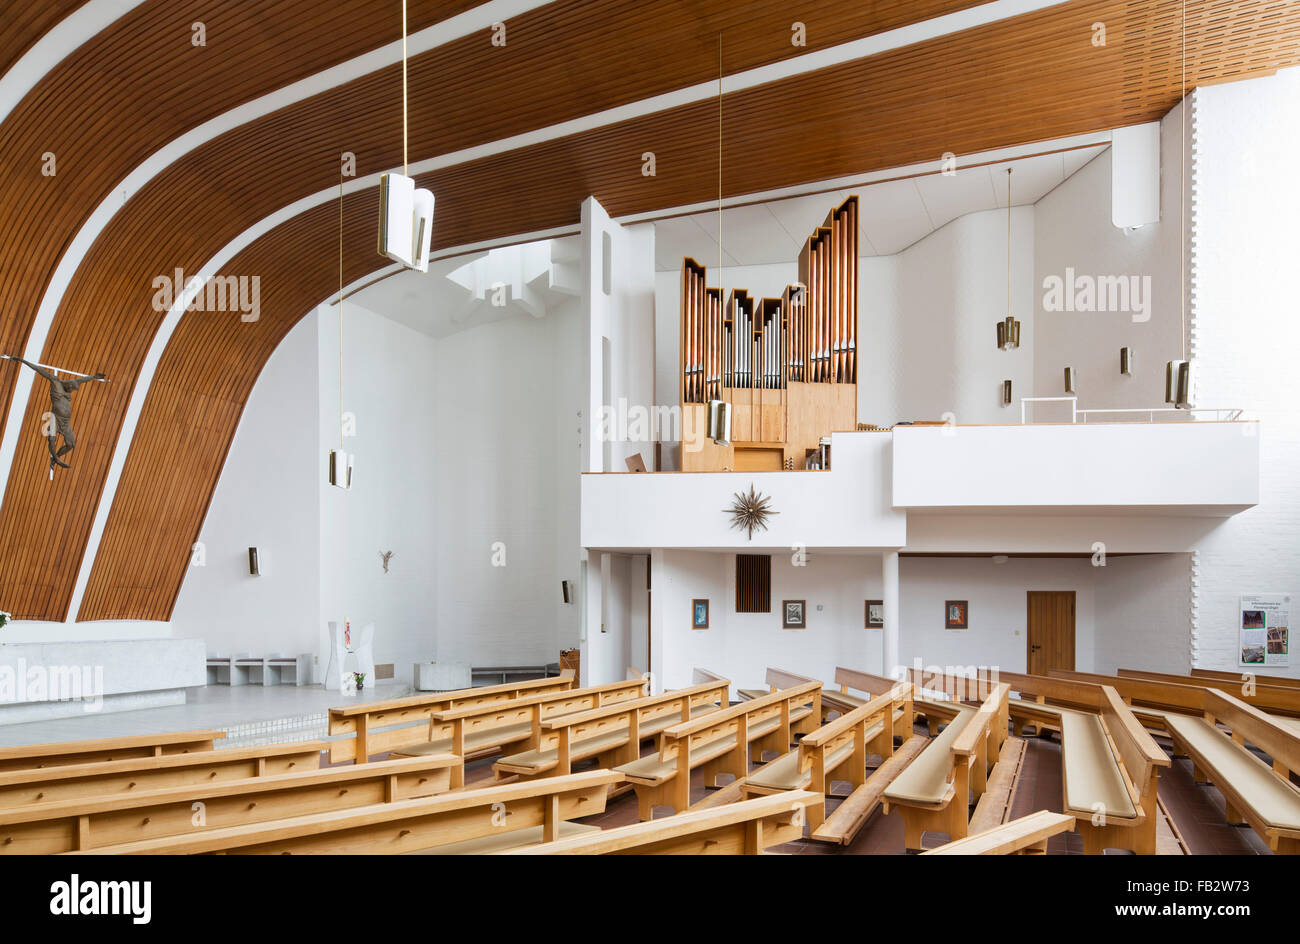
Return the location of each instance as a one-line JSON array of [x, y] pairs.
[[405, 221]]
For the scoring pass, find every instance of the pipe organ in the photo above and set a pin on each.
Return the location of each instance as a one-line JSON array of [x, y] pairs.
[[787, 366]]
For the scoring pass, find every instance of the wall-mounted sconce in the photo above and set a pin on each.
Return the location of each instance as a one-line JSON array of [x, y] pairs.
[[719, 425], [254, 562], [1126, 361], [340, 469], [566, 593], [1006, 393], [1178, 383], [1069, 380]]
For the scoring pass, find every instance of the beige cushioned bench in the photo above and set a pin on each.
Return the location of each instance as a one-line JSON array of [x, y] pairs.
[[1273, 800], [1089, 770], [925, 780], [653, 770], [536, 761]]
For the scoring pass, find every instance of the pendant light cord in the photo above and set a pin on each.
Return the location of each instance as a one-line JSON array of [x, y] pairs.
[[340, 310], [405, 165], [1008, 243], [1182, 200]]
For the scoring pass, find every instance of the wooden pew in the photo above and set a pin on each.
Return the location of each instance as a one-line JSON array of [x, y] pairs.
[[81, 824], [779, 680], [612, 733], [747, 827], [1110, 767], [1274, 699], [933, 793], [462, 821], [1264, 798], [934, 712], [60, 753], [1176, 691], [1277, 681], [839, 751], [369, 727], [80, 781], [1027, 835], [720, 742], [476, 730]]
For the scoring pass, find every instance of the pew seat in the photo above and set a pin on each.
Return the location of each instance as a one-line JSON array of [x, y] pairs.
[[534, 761], [516, 841], [925, 780], [474, 742], [1090, 773], [652, 770], [1265, 797], [784, 774]]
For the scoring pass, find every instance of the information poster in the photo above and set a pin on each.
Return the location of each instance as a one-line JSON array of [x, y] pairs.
[[1265, 629]]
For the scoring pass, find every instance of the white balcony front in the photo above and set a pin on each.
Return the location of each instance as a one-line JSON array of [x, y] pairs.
[[849, 506], [1183, 468]]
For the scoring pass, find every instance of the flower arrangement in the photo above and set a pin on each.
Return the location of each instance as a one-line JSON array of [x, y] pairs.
[[5, 618], [361, 679]]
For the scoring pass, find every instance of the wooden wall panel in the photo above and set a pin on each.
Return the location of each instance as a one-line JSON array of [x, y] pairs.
[[1031, 78]]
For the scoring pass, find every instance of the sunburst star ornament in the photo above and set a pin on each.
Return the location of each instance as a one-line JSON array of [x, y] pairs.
[[750, 511]]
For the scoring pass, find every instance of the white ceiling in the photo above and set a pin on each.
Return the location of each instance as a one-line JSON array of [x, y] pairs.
[[893, 214]]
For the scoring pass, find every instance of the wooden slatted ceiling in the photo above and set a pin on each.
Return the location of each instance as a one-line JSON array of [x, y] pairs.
[[978, 99], [139, 84], [196, 206], [23, 24]]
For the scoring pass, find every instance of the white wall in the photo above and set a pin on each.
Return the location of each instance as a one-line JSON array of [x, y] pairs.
[[267, 497], [506, 478], [1247, 337], [742, 646], [390, 386], [1073, 229], [1144, 607]]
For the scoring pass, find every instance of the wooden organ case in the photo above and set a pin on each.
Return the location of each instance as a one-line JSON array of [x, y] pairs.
[[788, 365]]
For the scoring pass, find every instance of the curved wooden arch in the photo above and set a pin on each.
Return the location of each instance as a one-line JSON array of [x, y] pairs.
[[23, 25], [139, 84], [555, 66], [146, 545]]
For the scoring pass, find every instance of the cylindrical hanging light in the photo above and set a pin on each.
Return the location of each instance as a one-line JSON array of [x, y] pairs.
[[1069, 380], [1006, 393], [1126, 361], [719, 422], [1172, 371]]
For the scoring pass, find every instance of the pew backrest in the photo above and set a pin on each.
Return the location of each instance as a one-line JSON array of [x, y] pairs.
[[746, 827], [70, 825], [59, 753], [1141, 691], [852, 726], [364, 721], [740, 717], [630, 716], [404, 825], [1241, 677], [74, 781], [863, 681], [1263, 693], [1139, 753], [1248, 723]]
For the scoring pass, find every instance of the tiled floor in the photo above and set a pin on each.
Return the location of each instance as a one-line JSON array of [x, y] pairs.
[[250, 714]]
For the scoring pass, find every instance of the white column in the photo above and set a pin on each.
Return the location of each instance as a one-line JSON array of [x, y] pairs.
[[889, 591]]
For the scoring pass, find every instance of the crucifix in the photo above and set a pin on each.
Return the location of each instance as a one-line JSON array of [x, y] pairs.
[[61, 391]]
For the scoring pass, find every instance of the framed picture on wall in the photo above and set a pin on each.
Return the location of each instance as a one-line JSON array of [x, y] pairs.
[[875, 614], [794, 614], [699, 614], [955, 614]]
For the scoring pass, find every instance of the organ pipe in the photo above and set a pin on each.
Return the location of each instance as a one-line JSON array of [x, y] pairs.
[[808, 335]]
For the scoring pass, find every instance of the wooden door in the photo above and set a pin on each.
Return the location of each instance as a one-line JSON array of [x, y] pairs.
[[1050, 623]]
